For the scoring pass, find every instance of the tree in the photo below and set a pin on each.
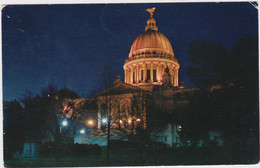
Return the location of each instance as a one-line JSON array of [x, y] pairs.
[[49, 90], [243, 63], [208, 63], [13, 126], [34, 111], [59, 110], [44, 114]]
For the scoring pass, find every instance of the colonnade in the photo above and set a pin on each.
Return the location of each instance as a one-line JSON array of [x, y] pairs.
[[150, 72]]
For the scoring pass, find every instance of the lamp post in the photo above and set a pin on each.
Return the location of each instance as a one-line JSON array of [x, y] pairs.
[[64, 123]]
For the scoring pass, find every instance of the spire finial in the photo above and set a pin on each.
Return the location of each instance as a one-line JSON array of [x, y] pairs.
[[151, 11], [151, 23]]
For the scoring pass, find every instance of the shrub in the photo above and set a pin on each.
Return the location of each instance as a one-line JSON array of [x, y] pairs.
[[51, 149], [119, 143]]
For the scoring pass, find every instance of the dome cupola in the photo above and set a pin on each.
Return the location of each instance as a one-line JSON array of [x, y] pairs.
[[151, 23]]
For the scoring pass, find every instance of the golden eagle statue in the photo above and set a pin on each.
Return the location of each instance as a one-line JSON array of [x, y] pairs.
[[151, 11]]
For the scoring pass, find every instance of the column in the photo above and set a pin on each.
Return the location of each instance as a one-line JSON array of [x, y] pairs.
[[151, 72], [140, 70], [99, 117], [145, 72], [125, 76], [137, 73], [176, 77], [173, 75], [131, 75], [157, 73], [160, 74]]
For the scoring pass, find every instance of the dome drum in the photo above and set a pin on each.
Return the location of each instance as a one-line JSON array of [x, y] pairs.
[[150, 71], [152, 55]]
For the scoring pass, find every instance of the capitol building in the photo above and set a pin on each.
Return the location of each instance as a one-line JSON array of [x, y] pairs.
[[151, 85], [151, 70]]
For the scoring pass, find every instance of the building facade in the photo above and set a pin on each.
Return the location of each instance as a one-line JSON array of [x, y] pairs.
[[151, 72], [151, 78]]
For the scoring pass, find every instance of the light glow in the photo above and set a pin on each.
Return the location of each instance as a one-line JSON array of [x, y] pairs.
[[82, 131], [64, 123], [90, 122], [138, 119], [104, 120], [129, 121], [121, 121]]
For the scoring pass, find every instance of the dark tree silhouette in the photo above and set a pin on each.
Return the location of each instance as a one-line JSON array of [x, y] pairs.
[[13, 126], [208, 63]]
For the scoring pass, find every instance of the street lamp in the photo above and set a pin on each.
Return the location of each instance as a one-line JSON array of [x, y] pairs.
[[82, 131], [64, 123], [104, 120], [90, 122]]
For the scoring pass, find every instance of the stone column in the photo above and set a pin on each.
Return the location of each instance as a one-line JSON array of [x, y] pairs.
[[145, 72], [137, 73], [173, 75], [160, 72], [157, 73], [131, 75], [176, 77], [99, 117], [125, 76], [140, 70], [151, 72]]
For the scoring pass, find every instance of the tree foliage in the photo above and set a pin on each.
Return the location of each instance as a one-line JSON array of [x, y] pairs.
[[13, 125], [243, 63], [210, 63], [232, 110], [207, 63]]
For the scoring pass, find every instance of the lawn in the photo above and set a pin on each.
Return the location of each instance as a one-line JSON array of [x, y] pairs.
[[122, 156]]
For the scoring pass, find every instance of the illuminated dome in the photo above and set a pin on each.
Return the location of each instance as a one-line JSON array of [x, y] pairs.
[[150, 54], [151, 41]]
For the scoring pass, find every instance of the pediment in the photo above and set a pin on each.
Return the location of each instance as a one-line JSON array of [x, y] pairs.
[[121, 88]]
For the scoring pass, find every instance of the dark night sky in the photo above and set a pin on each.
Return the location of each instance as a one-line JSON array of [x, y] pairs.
[[44, 42]]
